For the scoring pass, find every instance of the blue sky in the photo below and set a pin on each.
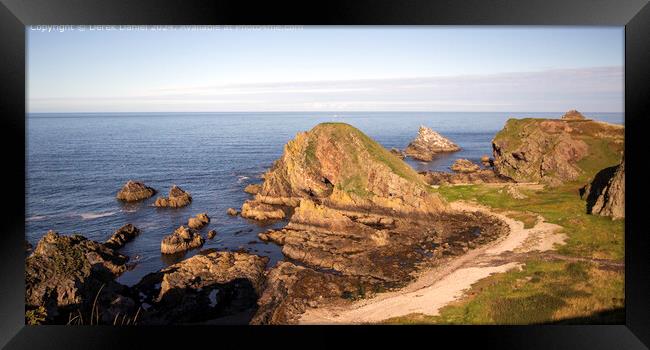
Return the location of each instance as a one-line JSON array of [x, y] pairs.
[[92, 69]]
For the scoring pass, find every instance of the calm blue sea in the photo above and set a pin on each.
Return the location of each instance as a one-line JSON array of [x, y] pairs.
[[76, 163]]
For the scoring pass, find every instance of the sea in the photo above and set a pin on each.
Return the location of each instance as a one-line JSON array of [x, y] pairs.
[[76, 163]]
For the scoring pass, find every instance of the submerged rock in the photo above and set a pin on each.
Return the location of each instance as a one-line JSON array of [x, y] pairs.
[[198, 221], [65, 273], [252, 188], [177, 198], [232, 212], [553, 151], [427, 144], [208, 285], [464, 166], [122, 236], [605, 195], [573, 115], [134, 191], [181, 240]]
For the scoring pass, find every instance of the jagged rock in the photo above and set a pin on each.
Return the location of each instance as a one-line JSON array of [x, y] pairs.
[[427, 144], [464, 166], [211, 234], [553, 151], [605, 195], [290, 289], [252, 188], [134, 191], [181, 240], [198, 221], [486, 160], [573, 115], [398, 153], [232, 212], [65, 273], [208, 285], [478, 177], [177, 198], [122, 236], [260, 211]]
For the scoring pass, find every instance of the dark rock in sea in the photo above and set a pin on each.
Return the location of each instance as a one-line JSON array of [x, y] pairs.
[[177, 198], [464, 166], [605, 195], [66, 273], [123, 235], [181, 240], [554, 151], [232, 212], [198, 221], [427, 144], [252, 189], [134, 191], [206, 286]]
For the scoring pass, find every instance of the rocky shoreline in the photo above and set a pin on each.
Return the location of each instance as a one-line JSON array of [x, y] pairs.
[[360, 221]]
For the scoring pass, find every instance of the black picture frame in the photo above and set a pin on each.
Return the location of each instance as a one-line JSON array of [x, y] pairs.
[[16, 14]]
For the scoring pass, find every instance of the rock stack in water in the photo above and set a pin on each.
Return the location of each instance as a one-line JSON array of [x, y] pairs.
[[123, 235], [133, 191], [177, 198], [181, 240], [427, 144], [198, 221]]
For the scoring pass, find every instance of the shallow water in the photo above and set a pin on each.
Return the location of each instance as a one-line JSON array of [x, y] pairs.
[[76, 163]]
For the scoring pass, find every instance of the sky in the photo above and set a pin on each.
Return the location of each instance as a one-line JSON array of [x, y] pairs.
[[303, 68]]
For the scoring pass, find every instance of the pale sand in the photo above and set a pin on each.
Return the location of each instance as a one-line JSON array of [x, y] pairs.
[[437, 287]]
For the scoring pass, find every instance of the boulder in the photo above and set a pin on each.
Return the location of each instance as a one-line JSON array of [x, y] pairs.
[[177, 198], [553, 151], [198, 221], [427, 144], [134, 191], [66, 273], [464, 166], [206, 286], [122, 236], [181, 240], [252, 189], [605, 195], [232, 212], [573, 115]]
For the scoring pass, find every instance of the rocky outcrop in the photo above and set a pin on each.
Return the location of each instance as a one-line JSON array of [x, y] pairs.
[[211, 234], [177, 198], [465, 166], [427, 144], [181, 240], [573, 115], [232, 212], [122, 236], [66, 273], [208, 285], [553, 151], [252, 189], [399, 154], [134, 191], [486, 160], [260, 211], [198, 221], [478, 177], [605, 195]]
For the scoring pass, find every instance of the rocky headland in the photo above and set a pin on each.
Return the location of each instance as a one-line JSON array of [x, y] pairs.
[[427, 144]]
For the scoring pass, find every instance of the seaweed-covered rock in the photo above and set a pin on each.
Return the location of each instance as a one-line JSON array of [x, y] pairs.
[[177, 198], [198, 221], [427, 144], [134, 191], [122, 236], [181, 240]]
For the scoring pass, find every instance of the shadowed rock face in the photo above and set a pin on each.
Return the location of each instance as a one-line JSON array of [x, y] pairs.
[[554, 151], [427, 144], [134, 191], [208, 285], [65, 273], [177, 198], [605, 195], [122, 236]]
